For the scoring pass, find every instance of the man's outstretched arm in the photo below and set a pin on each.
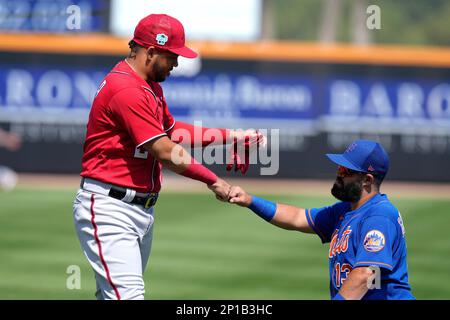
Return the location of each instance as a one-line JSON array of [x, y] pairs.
[[281, 215], [175, 158], [243, 142], [194, 136]]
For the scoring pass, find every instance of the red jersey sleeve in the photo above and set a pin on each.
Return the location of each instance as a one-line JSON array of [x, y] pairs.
[[138, 113]]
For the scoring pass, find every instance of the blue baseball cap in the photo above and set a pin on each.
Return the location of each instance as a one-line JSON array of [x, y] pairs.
[[363, 156]]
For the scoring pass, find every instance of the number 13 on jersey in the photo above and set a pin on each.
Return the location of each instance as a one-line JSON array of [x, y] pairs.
[[341, 273]]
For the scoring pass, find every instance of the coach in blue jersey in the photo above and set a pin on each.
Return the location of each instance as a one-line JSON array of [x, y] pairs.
[[367, 255]]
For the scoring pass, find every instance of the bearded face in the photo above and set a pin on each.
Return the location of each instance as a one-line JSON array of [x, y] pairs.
[[164, 63], [348, 190], [161, 72]]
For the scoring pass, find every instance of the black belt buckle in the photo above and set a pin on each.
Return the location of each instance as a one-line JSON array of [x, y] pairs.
[[151, 200], [116, 193], [147, 202]]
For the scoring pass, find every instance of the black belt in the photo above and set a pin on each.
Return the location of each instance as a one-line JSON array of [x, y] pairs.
[[147, 201]]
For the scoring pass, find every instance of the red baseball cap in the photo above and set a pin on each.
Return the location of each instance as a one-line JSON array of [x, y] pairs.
[[162, 31]]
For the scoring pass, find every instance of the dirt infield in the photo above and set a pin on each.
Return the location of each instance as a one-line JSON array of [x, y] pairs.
[[261, 186]]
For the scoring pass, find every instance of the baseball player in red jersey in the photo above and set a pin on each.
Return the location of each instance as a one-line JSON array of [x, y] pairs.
[[130, 136]]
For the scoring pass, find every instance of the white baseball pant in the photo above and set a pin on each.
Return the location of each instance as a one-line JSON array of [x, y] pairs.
[[116, 239]]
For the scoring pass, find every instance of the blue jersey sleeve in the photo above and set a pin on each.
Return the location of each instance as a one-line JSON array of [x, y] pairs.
[[377, 237], [324, 220]]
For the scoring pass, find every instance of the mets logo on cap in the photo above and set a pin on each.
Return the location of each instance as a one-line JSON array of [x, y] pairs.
[[161, 39], [351, 147], [374, 241]]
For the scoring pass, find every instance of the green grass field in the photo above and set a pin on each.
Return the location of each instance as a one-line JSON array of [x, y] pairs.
[[204, 249]]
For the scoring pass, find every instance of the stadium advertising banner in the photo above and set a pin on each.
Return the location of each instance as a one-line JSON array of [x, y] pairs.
[[317, 108], [56, 16]]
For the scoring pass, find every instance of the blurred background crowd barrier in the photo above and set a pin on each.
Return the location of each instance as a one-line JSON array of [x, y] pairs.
[[322, 72]]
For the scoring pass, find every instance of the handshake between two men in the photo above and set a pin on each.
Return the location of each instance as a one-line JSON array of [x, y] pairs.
[[245, 142], [232, 194]]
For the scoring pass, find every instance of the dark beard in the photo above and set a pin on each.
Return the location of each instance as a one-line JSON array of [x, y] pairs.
[[160, 73], [350, 192]]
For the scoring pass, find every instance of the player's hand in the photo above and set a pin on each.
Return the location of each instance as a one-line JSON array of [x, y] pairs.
[[240, 197], [244, 143], [221, 188]]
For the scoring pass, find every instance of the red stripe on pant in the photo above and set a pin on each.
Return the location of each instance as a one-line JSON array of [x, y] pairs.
[[97, 239]]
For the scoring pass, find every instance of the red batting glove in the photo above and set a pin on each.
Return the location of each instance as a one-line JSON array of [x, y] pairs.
[[234, 157], [246, 164], [241, 149]]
